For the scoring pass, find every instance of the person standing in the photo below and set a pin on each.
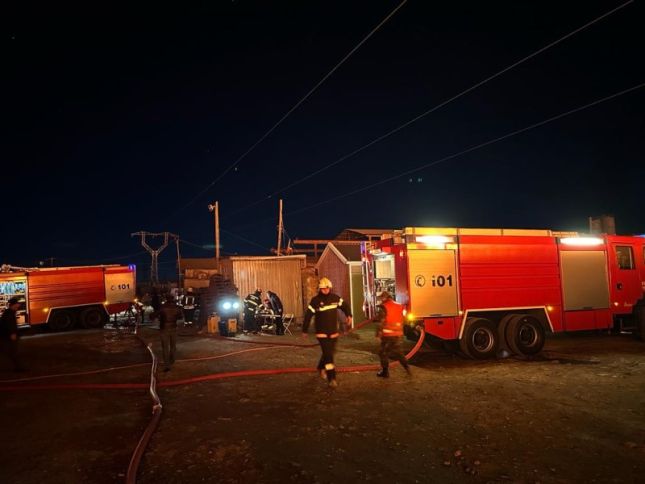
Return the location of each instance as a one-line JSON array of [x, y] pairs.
[[9, 332], [252, 303], [324, 307], [168, 315], [390, 330], [189, 304], [276, 305]]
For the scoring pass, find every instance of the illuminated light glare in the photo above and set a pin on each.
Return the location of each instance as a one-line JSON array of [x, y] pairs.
[[434, 239], [616, 303], [410, 317], [582, 241], [461, 312], [236, 305], [45, 310], [549, 308], [226, 305]]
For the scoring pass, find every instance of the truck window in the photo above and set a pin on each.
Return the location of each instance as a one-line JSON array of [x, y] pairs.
[[624, 257]]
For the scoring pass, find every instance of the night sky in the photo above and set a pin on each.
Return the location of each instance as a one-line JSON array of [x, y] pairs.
[[117, 117]]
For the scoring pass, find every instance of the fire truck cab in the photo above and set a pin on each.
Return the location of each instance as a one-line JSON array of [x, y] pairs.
[[64, 296], [493, 289]]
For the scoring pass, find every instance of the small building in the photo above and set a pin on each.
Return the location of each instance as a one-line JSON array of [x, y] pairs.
[[196, 272], [280, 274], [342, 265]]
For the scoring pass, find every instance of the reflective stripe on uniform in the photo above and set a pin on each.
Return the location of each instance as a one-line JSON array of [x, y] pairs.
[[311, 308], [329, 366], [340, 302], [325, 335], [327, 308]]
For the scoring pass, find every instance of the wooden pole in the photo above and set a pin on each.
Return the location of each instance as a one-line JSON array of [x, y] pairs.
[[217, 233], [279, 229]]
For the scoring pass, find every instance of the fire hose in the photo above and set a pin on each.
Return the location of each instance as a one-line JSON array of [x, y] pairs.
[[157, 406]]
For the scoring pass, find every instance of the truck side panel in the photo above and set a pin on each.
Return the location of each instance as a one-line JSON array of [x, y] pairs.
[[75, 287], [510, 272]]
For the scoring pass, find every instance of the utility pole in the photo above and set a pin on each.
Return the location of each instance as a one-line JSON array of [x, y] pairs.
[[178, 264], [154, 253], [280, 229], [215, 209]]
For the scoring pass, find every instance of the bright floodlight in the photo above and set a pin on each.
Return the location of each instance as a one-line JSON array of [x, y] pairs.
[[434, 239], [587, 241], [236, 305], [226, 305]]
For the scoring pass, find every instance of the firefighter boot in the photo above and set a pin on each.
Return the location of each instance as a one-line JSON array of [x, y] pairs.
[[323, 374], [384, 373]]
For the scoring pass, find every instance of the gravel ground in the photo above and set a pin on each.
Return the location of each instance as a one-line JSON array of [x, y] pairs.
[[575, 414]]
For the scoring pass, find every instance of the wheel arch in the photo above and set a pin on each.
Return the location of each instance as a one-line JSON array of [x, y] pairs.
[[496, 315]]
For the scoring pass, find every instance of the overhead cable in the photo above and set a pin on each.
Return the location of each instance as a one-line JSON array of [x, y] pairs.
[[295, 106], [433, 109]]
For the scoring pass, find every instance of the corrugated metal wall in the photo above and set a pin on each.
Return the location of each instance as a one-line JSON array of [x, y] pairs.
[[282, 275]]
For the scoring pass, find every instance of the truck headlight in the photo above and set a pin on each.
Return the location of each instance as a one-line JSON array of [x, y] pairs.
[[226, 305], [236, 305]]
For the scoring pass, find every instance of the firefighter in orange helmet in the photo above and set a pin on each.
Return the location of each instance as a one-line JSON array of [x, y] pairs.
[[390, 330]]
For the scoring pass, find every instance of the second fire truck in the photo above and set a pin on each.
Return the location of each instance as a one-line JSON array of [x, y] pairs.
[[492, 289]]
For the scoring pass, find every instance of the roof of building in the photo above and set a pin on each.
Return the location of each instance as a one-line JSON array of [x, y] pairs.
[[362, 234], [198, 263]]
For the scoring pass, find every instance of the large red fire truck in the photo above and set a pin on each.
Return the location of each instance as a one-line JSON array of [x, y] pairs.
[[63, 296], [495, 289]]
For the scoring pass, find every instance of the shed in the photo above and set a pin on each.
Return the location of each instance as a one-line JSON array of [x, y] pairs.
[[196, 272], [282, 275], [342, 265]]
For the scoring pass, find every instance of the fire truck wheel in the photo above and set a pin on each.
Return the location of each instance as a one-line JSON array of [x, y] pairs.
[[93, 318], [480, 339], [525, 335], [61, 320]]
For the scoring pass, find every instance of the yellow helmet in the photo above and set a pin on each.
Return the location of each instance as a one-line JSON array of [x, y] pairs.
[[324, 283]]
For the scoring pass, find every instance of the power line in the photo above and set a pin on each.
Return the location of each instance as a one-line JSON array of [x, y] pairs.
[[286, 115], [433, 109], [460, 153], [471, 149]]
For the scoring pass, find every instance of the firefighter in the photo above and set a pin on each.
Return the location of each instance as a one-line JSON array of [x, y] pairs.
[[252, 303], [189, 304], [324, 307], [168, 316], [276, 305], [9, 332], [390, 330]]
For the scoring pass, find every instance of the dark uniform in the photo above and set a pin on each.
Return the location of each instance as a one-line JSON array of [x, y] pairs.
[[168, 316], [251, 304], [390, 315], [276, 305], [9, 333], [325, 309]]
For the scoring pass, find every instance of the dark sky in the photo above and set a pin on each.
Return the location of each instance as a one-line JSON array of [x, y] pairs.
[[116, 117]]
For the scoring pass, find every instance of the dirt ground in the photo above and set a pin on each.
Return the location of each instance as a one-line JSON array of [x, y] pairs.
[[576, 414]]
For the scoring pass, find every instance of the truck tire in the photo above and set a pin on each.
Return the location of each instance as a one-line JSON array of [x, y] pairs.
[[525, 335], [61, 320], [93, 318], [480, 339]]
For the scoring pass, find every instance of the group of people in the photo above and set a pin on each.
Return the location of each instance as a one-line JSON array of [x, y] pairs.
[[324, 309], [258, 311]]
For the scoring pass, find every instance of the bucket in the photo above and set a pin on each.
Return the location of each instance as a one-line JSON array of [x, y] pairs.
[[232, 327], [212, 324]]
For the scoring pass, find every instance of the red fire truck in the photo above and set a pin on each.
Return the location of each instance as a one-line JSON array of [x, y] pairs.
[[63, 296], [494, 289]]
